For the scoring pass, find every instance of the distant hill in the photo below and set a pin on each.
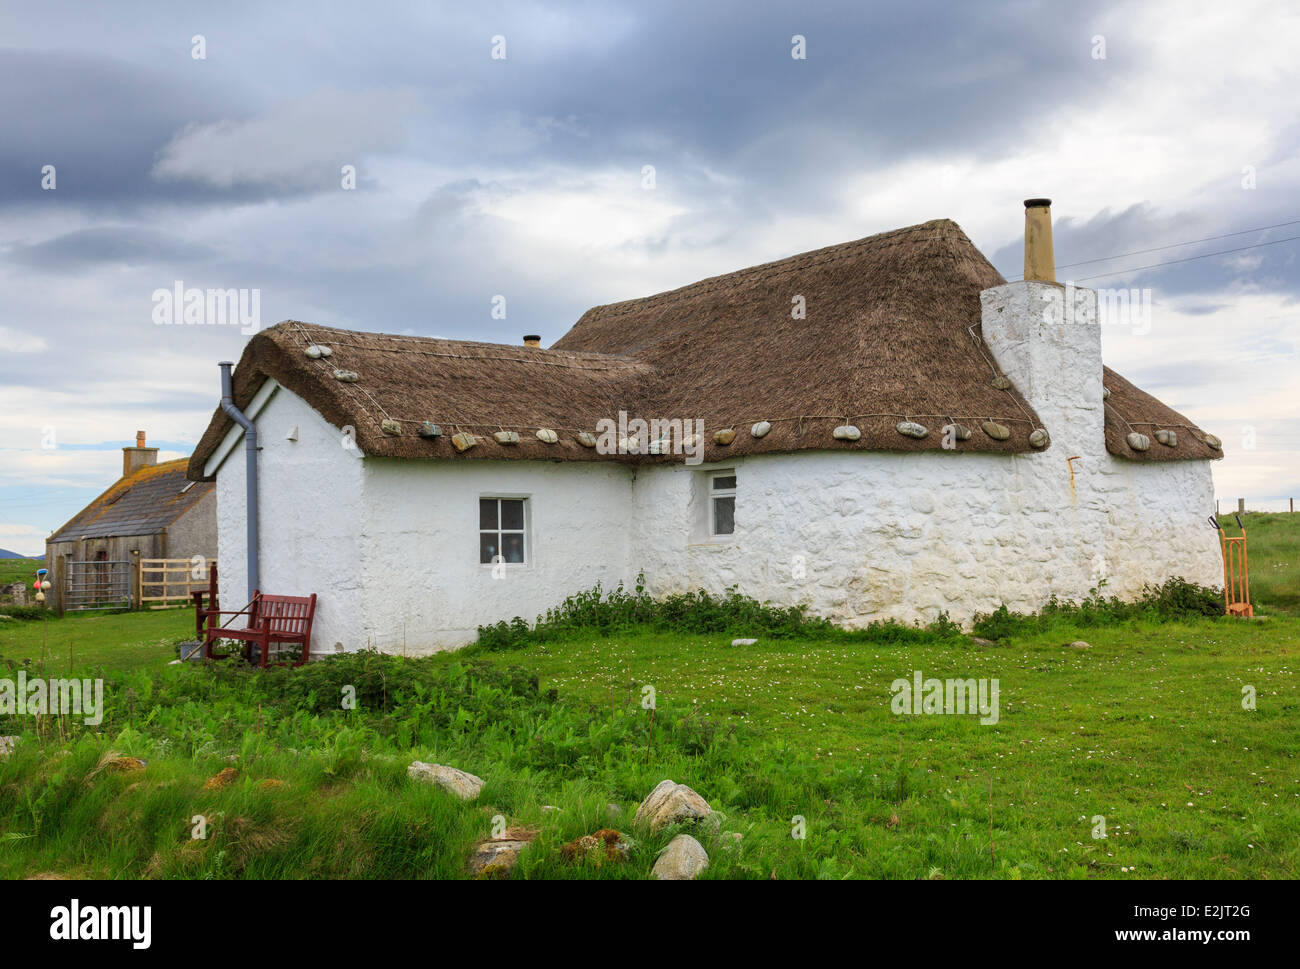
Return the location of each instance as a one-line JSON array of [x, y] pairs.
[[6, 554]]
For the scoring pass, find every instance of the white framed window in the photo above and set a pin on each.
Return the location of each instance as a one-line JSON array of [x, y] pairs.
[[502, 531], [722, 502]]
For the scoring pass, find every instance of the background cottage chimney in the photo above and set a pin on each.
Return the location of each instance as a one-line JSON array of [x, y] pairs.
[[1040, 263], [532, 340], [135, 458]]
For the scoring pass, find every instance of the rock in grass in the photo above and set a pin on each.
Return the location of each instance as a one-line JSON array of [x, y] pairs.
[[682, 860], [7, 745], [123, 765], [1080, 644], [497, 857], [670, 803], [464, 786], [743, 642]]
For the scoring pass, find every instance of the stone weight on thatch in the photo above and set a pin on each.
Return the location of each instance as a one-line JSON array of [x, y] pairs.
[[913, 429], [389, 426], [1138, 442], [1001, 382], [1039, 438], [463, 441], [846, 432], [547, 436], [1105, 393], [586, 439], [958, 432], [999, 432], [506, 437], [1167, 438], [761, 429], [316, 351], [724, 436], [429, 429], [346, 376], [1213, 441]]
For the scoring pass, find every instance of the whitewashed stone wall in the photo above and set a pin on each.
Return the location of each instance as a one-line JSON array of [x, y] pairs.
[[425, 586], [858, 537]]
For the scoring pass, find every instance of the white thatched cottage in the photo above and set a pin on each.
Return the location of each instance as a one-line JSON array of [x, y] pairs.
[[883, 428]]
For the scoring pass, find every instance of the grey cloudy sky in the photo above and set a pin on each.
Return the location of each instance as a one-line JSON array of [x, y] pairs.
[[479, 176]]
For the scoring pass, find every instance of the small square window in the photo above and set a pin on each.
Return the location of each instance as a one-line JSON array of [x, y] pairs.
[[501, 531], [722, 503]]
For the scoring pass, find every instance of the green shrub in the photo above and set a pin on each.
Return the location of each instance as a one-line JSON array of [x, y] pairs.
[[696, 613], [23, 612], [1174, 600]]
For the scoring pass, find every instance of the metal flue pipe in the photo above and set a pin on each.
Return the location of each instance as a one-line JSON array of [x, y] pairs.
[[250, 473]]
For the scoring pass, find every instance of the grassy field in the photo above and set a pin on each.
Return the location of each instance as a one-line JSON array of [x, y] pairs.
[[113, 640], [1145, 729], [1273, 544], [19, 570]]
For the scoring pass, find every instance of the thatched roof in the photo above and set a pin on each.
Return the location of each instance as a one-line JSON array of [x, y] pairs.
[[142, 503], [889, 334]]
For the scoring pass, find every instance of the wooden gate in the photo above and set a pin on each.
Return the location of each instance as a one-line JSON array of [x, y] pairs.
[[164, 583], [99, 584]]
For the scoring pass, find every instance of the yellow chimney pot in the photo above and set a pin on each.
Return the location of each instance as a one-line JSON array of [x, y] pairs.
[[1040, 262]]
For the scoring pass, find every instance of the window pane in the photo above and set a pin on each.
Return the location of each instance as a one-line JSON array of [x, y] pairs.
[[487, 547], [512, 545], [487, 513], [512, 513], [727, 483], [724, 516]]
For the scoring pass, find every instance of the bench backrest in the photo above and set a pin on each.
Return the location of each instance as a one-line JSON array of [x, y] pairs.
[[288, 615]]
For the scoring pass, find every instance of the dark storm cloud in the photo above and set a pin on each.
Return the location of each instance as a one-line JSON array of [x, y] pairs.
[[122, 245], [101, 122]]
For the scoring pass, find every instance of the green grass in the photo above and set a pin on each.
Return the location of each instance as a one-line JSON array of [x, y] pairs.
[[120, 641], [19, 570], [1145, 728]]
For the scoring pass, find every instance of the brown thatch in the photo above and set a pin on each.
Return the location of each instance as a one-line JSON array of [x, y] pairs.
[[1130, 409], [890, 334], [477, 388]]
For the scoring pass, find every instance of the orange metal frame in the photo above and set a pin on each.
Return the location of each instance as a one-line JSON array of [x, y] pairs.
[[1236, 572]]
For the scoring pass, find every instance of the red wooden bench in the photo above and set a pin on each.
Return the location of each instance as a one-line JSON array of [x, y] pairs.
[[272, 621]]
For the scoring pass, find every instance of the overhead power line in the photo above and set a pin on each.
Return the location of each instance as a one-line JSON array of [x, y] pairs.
[[1177, 245], [1174, 262]]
